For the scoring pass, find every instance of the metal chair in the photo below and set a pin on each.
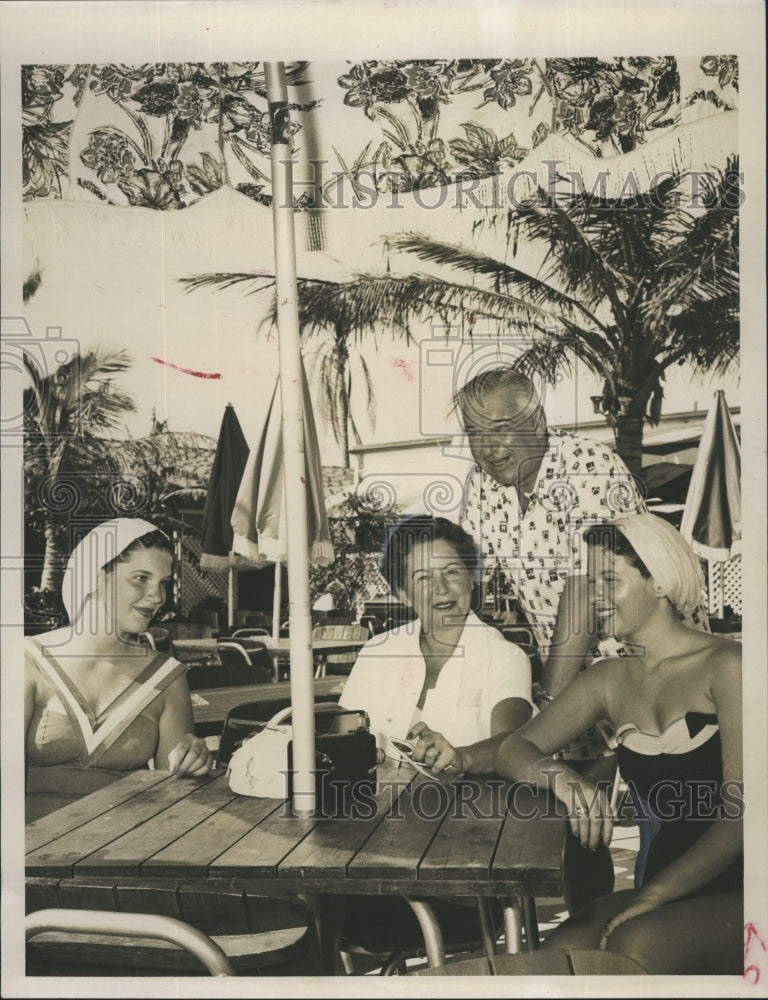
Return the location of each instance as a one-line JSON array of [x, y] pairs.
[[251, 666], [338, 663], [228, 930], [249, 632], [374, 625], [136, 930], [388, 932]]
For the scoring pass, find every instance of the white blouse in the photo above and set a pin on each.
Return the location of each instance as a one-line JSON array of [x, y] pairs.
[[484, 669]]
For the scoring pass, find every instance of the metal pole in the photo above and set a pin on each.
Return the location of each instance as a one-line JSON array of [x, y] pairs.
[[277, 600], [302, 681]]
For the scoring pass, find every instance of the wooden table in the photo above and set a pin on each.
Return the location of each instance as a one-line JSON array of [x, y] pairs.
[[210, 705], [150, 839]]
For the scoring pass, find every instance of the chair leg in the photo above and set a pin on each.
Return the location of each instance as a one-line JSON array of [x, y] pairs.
[[513, 927], [486, 927], [530, 922], [430, 928]]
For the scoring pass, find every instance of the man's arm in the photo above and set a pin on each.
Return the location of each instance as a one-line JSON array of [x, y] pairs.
[[574, 635]]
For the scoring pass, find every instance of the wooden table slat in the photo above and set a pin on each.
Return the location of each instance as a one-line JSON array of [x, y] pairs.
[[397, 845], [193, 854], [531, 859], [328, 849], [127, 854], [465, 847], [58, 858], [261, 850], [49, 827]]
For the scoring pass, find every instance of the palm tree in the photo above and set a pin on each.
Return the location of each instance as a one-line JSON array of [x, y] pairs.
[[628, 287], [66, 412]]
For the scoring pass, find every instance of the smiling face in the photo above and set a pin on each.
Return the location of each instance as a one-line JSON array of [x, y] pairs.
[[437, 585], [136, 587], [623, 598], [507, 435]]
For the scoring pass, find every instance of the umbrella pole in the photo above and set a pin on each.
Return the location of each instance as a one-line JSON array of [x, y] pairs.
[[277, 601], [231, 598], [286, 295]]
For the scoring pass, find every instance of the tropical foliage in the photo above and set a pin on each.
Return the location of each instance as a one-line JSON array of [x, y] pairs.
[[359, 527], [69, 464], [76, 476]]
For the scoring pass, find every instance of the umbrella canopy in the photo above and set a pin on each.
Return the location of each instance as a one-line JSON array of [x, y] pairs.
[[712, 517], [258, 513], [228, 466]]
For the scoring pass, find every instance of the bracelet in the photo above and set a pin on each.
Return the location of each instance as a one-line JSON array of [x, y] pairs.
[[543, 695]]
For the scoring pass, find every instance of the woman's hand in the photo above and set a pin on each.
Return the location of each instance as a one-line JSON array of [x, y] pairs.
[[643, 901], [190, 757], [434, 750], [590, 815]]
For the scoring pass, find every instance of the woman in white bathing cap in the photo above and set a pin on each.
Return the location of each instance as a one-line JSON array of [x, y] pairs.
[[675, 705], [98, 702]]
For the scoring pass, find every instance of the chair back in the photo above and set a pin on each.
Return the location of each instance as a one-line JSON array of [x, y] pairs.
[[179, 628], [162, 639], [251, 716], [374, 625], [251, 666], [340, 663]]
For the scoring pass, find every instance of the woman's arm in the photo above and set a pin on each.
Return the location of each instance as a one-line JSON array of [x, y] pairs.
[[439, 755], [525, 756], [722, 843], [178, 749], [30, 693]]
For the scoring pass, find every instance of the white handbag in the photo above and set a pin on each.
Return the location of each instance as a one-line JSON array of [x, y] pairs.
[[260, 766]]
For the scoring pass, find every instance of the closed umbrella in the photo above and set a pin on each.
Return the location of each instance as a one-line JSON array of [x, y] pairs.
[[226, 472], [258, 514], [712, 517]]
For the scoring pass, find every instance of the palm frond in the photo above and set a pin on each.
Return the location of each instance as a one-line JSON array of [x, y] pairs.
[[505, 276], [221, 280]]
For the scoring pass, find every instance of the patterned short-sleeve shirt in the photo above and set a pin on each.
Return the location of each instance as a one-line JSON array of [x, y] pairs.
[[538, 544]]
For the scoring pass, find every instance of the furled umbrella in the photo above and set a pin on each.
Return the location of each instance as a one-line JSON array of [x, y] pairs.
[[229, 463], [711, 520], [258, 514]]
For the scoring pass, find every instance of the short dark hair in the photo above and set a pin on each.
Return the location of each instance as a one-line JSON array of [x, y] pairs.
[[152, 540], [416, 530], [609, 538]]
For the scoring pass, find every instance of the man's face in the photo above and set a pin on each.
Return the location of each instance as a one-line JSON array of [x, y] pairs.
[[507, 435]]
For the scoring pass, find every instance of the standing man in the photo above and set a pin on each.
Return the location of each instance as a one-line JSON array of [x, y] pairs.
[[526, 501]]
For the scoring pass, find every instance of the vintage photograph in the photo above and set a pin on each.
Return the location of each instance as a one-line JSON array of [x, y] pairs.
[[374, 580]]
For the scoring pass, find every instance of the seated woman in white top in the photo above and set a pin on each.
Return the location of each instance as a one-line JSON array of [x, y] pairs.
[[447, 677]]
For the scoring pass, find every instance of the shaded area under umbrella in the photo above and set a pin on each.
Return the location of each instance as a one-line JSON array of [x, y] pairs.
[[712, 517]]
